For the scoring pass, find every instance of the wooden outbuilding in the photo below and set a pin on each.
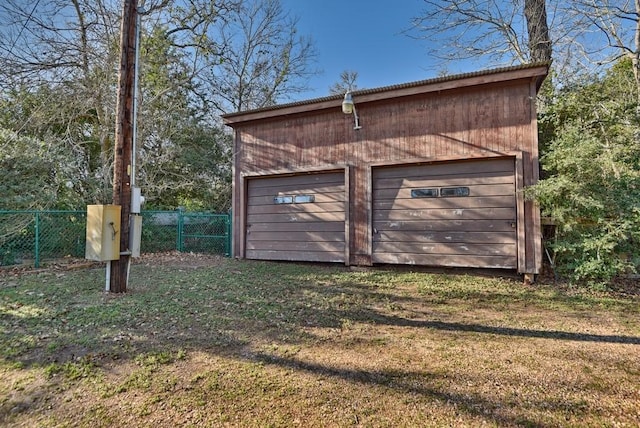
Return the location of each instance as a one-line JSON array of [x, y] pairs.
[[425, 173]]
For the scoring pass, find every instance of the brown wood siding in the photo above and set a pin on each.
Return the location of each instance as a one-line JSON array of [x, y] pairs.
[[301, 231], [478, 230], [455, 123]]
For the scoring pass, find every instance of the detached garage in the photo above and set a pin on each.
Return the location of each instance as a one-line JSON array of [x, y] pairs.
[[427, 173]]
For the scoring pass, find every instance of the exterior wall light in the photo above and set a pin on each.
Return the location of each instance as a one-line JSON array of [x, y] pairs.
[[349, 107]]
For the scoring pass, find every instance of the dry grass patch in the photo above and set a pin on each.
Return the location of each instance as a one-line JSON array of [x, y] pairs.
[[218, 342]]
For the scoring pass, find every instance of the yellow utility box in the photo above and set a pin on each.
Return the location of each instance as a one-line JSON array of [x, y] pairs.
[[103, 232]]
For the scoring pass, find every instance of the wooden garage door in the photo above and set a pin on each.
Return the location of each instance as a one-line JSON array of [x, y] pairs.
[[297, 218], [446, 214]]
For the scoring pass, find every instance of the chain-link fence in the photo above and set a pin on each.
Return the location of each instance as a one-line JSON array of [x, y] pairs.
[[31, 237]]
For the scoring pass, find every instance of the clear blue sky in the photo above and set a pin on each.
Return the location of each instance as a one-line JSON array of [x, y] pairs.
[[363, 36]]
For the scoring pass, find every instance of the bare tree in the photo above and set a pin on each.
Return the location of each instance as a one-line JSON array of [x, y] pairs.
[[58, 63], [611, 31], [468, 29], [578, 35], [57, 57], [262, 60], [346, 83]]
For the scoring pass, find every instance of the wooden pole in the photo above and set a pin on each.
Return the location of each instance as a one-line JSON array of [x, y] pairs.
[[124, 143]]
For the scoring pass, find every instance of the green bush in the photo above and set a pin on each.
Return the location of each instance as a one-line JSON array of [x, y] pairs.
[[592, 168]]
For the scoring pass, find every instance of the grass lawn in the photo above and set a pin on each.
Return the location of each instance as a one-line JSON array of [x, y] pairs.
[[206, 341]]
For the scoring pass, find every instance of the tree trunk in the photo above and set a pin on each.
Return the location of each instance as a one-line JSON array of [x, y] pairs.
[[635, 61], [535, 13]]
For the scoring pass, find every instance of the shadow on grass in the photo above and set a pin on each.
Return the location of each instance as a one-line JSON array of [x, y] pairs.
[[505, 331], [224, 309], [227, 306], [405, 382]]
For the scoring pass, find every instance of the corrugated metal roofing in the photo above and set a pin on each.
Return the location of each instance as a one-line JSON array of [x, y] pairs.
[[390, 88]]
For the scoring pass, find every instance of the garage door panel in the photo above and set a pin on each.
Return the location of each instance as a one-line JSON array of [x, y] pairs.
[[314, 246], [305, 236], [319, 197], [272, 191], [299, 256], [417, 182], [447, 225], [474, 230], [322, 207], [300, 181], [292, 227], [472, 261], [494, 237], [443, 169], [451, 203], [476, 190], [295, 217], [453, 249], [281, 228], [445, 214]]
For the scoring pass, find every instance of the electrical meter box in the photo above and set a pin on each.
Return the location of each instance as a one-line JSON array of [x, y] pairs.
[[135, 235], [103, 232], [136, 200]]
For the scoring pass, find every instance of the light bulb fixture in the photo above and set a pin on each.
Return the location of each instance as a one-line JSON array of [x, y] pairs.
[[349, 107]]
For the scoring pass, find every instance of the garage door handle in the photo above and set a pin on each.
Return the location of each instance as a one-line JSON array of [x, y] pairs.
[[375, 231], [513, 224]]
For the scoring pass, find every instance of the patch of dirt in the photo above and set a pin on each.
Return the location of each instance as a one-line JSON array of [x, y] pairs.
[[65, 264], [178, 259], [626, 286], [170, 258]]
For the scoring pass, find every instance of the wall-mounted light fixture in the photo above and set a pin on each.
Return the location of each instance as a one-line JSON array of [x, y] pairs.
[[349, 107]]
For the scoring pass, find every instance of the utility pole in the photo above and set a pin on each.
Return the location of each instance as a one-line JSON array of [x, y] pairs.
[[123, 156]]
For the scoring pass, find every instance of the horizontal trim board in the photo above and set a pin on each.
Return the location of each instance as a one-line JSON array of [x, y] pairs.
[[472, 261], [289, 236], [296, 256], [444, 214], [493, 237], [461, 248], [446, 225], [465, 202], [308, 226]]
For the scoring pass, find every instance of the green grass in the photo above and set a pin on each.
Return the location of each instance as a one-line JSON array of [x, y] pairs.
[[244, 343]]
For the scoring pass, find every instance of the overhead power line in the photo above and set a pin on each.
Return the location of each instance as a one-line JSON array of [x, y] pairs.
[[24, 26]]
